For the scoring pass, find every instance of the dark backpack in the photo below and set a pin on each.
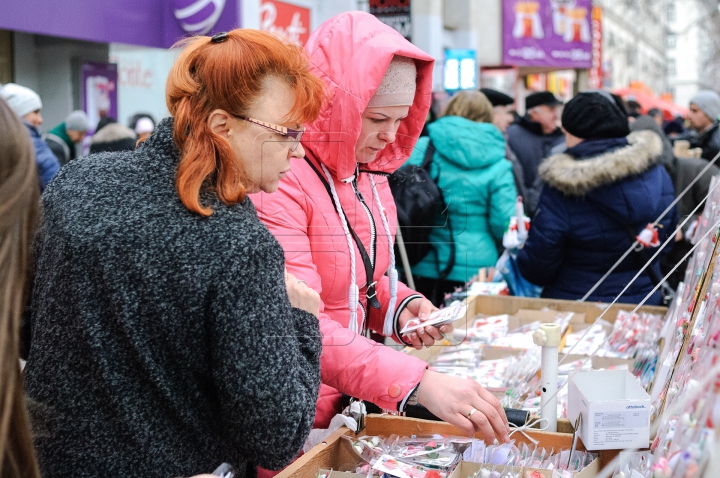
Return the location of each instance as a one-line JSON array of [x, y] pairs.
[[419, 200]]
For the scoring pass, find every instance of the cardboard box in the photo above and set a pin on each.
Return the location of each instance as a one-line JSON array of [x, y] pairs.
[[336, 453], [615, 409], [467, 470]]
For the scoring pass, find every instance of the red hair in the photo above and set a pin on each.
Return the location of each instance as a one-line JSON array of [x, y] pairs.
[[231, 76]]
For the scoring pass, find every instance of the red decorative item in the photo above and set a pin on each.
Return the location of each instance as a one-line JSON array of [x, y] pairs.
[[648, 237]]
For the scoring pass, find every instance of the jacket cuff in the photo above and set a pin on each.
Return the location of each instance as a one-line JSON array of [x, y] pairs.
[[396, 319], [404, 403]]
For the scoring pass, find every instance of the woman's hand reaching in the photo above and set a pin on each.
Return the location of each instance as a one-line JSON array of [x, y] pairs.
[[464, 403]]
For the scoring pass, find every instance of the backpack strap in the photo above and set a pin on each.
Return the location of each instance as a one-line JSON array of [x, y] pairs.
[[367, 264], [426, 164]]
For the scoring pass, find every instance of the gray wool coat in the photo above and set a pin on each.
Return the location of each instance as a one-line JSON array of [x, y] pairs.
[[163, 343]]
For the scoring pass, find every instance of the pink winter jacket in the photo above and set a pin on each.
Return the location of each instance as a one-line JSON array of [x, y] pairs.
[[350, 53]]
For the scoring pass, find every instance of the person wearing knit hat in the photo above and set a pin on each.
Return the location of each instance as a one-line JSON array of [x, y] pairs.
[[63, 137], [26, 104], [144, 128], [532, 138], [594, 116], [703, 118], [335, 216], [599, 194]]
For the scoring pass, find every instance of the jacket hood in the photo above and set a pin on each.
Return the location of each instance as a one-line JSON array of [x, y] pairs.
[[466, 143], [615, 180], [578, 177], [350, 53]]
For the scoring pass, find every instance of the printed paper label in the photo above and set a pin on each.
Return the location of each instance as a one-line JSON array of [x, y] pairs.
[[619, 428], [627, 419]]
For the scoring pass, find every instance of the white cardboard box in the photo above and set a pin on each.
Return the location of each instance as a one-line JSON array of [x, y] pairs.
[[615, 409]]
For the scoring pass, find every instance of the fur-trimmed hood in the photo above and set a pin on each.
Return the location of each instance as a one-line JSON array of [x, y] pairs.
[[577, 177]]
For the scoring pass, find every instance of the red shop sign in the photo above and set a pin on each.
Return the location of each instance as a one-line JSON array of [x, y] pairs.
[[290, 20]]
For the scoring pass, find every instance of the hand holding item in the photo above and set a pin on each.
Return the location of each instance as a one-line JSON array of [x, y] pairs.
[[465, 404], [301, 296], [421, 309]]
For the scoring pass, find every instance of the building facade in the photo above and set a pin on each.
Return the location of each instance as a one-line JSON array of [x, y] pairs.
[[693, 49], [634, 43]]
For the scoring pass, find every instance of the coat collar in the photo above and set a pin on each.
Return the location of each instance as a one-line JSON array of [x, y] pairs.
[[535, 128], [578, 177]]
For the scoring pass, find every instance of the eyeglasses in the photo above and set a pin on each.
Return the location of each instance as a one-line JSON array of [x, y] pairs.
[[295, 134]]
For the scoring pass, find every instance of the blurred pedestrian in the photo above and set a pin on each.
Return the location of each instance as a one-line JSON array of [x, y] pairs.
[[532, 139], [667, 156], [63, 138], [104, 121], [26, 104], [634, 110], [167, 337], [683, 171], [703, 118], [479, 191], [502, 118], [675, 128], [657, 115], [603, 191], [145, 127], [19, 196], [113, 137]]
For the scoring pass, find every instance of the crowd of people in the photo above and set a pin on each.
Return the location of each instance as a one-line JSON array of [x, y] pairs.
[[201, 290]]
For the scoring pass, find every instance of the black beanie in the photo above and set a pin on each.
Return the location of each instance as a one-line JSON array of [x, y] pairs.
[[594, 116], [497, 98]]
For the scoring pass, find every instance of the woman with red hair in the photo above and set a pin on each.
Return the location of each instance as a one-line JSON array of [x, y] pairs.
[[336, 219], [166, 336]]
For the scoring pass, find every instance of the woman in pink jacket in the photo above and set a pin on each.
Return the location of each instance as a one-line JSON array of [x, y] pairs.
[[335, 217]]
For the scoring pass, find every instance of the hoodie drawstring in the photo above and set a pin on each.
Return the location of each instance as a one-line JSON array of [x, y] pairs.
[[392, 272], [354, 292]]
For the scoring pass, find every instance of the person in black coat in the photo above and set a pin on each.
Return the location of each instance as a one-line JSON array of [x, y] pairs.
[[166, 336], [113, 137], [605, 189], [532, 139]]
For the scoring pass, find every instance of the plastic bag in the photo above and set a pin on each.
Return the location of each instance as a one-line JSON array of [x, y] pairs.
[[518, 285]]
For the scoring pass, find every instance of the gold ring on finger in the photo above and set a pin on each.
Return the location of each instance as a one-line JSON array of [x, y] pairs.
[[469, 415]]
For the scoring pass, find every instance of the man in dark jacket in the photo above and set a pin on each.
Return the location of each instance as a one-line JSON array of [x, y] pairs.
[[26, 104], [532, 139], [63, 137], [599, 194], [703, 118]]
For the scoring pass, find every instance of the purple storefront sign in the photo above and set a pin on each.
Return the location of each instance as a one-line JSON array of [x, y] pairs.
[[155, 23], [547, 33], [98, 91]]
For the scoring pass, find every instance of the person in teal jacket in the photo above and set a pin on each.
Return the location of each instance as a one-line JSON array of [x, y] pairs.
[[479, 189]]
